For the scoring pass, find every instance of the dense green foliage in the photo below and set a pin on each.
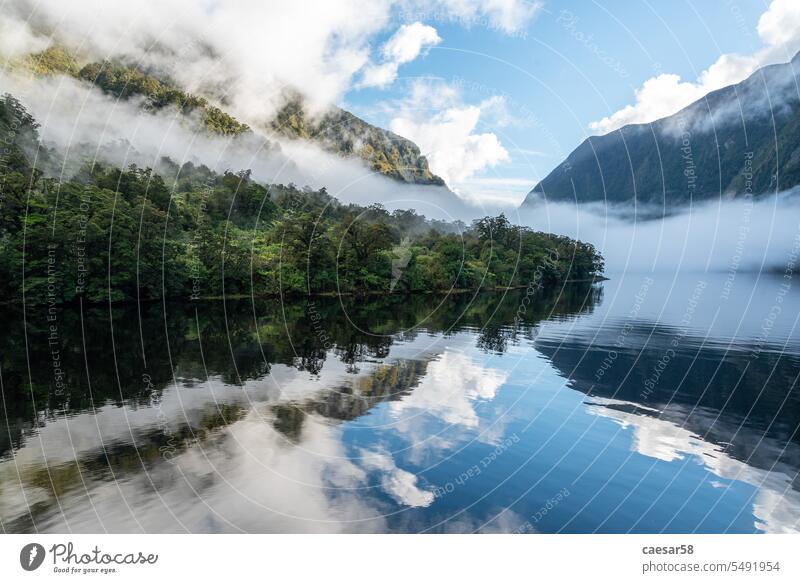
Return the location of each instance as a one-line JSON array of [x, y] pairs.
[[54, 59], [123, 234], [341, 132], [740, 140], [125, 82]]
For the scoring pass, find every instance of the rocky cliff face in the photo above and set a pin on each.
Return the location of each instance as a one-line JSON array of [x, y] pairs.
[[343, 133]]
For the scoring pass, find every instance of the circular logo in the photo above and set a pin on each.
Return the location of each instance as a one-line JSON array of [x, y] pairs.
[[31, 556]]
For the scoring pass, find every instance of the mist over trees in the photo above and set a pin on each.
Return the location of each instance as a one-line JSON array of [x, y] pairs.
[[116, 234]]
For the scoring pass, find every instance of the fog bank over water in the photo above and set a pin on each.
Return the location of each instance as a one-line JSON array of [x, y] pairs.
[[727, 235]]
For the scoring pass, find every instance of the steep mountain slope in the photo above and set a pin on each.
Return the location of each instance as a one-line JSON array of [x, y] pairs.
[[742, 139], [337, 131], [125, 82], [341, 132]]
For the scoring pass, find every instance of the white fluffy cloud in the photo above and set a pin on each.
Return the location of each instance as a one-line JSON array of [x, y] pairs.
[[450, 389], [399, 484], [406, 44], [403, 47], [16, 38], [509, 16], [446, 131], [665, 94], [244, 51]]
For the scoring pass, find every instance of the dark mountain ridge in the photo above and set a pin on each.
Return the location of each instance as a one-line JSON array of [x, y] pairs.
[[740, 140]]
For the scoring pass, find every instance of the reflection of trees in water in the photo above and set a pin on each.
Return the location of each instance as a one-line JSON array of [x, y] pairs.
[[131, 353], [498, 329], [226, 341], [115, 461]]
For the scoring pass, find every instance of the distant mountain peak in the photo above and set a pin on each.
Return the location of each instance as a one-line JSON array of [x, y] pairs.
[[341, 132], [740, 140]]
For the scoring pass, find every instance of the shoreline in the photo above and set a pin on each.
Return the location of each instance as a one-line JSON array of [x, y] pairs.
[[295, 296]]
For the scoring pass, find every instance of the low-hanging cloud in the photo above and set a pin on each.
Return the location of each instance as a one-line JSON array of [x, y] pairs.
[[245, 53], [80, 121], [726, 235]]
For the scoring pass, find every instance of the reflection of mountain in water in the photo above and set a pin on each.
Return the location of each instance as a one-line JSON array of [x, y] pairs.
[[726, 395], [161, 386], [351, 400], [735, 407], [332, 417]]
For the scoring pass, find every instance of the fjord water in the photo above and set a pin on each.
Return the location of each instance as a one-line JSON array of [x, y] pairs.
[[646, 403]]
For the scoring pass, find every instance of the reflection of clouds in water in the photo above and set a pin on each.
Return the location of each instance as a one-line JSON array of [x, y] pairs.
[[776, 505], [777, 509], [453, 383], [448, 393], [63, 439], [245, 478], [230, 466], [501, 521], [240, 453], [399, 484]]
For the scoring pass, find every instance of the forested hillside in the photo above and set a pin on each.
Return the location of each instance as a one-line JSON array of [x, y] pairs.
[[112, 234], [341, 132], [337, 131]]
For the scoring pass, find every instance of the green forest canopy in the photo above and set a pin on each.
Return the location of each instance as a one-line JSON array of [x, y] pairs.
[[112, 234]]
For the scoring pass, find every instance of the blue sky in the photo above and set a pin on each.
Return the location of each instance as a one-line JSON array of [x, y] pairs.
[[572, 64]]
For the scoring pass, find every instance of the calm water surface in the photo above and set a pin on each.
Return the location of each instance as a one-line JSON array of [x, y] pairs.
[[643, 404]]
